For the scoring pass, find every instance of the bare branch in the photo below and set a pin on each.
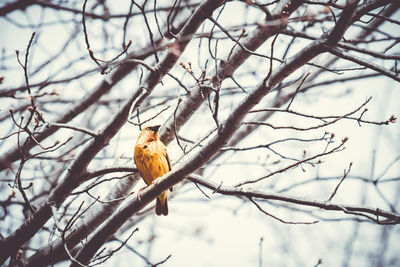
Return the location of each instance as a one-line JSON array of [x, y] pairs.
[[341, 181], [370, 213]]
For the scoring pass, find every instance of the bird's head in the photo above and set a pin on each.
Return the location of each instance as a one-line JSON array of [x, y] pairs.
[[149, 133], [154, 128]]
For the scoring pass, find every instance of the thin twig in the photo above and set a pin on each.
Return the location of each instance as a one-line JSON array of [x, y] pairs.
[[175, 132], [341, 180], [139, 123], [104, 258], [297, 90], [75, 128], [277, 218], [333, 150], [162, 262], [91, 54]]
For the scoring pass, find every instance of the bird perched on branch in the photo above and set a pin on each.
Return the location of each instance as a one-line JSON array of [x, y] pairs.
[[152, 161]]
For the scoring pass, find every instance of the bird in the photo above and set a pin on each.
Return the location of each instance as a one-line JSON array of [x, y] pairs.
[[152, 161]]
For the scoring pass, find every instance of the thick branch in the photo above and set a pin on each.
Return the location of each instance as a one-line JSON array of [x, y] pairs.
[[280, 100], [103, 88], [54, 250], [227, 129], [17, 5], [191, 104], [78, 167], [106, 230], [365, 63], [343, 22]]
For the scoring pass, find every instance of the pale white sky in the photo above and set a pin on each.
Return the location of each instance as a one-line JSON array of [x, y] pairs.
[[226, 231]]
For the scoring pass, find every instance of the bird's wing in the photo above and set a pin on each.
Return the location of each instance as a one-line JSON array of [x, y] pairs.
[[167, 157], [168, 161]]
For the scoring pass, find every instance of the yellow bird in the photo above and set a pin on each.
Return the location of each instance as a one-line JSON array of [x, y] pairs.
[[152, 161]]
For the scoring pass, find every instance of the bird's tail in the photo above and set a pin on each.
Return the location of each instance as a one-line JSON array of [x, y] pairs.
[[162, 204]]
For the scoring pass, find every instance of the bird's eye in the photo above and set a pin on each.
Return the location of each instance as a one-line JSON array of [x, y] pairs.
[[145, 146]]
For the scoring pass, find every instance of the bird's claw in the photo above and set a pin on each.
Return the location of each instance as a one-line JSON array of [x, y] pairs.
[[139, 194]]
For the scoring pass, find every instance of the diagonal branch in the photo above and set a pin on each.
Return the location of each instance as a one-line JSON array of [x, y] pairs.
[[280, 100], [238, 56], [103, 88], [226, 130], [78, 167], [369, 64], [52, 251]]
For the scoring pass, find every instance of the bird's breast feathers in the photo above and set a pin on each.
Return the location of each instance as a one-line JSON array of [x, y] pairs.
[[151, 161]]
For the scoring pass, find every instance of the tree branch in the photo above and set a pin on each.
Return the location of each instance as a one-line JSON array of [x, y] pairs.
[[371, 213]]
